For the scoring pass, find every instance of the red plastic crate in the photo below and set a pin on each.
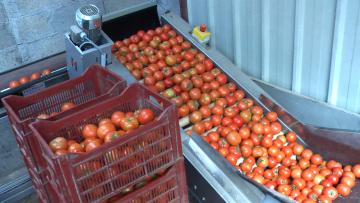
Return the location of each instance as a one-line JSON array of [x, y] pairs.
[[170, 187], [95, 82], [101, 173]]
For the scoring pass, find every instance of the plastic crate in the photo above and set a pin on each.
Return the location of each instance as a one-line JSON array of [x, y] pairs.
[[101, 173], [170, 187], [95, 82]]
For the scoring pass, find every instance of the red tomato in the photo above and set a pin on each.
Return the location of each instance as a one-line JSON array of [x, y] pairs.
[[58, 143], [331, 192], [199, 128], [234, 138], [356, 170], [126, 124], [145, 116], [75, 148], [232, 158], [67, 106], [89, 131]]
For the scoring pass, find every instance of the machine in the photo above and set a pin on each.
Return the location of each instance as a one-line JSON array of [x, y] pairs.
[[86, 43]]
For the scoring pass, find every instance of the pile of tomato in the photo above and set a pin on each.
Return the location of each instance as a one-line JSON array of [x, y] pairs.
[[105, 131], [250, 139], [26, 79]]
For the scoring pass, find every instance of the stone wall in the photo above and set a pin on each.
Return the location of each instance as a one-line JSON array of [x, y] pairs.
[[33, 29]]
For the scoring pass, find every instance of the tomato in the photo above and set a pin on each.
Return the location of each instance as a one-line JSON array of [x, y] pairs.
[[205, 111], [333, 164], [245, 167], [14, 84], [144, 116], [195, 93], [116, 118], [316, 159], [273, 150], [343, 189], [193, 105], [217, 110], [226, 121], [317, 189], [58, 143], [235, 150], [75, 148], [200, 69], [298, 149], [307, 154], [199, 128], [104, 129], [279, 156], [257, 110], [284, 189], [246, 115], [221, 78], [216, 120], [234, 138], [299, 183], [224, 91], [312, 196], [276, 127], [257, 128], [324, 199], [333, 179], [128, 123], [257, 151], [307, 175], [223, 151], [205, 99], [223, 143], [258, 178], [111, 136], [296, 173], [149, 80], [331, 192], [186, 85], [214, 136], [244, 132], [287, 151], [188, 56], [89, 131], [221, 102], [238, 120], [206, 88], [224, 131], [24, 79], [195, 117], [350, 182], [232, 158], [92, 146], [66, 106], [262, 162], [356, 170], [349, 174], [318, 178], [256, 118], [214, 145]]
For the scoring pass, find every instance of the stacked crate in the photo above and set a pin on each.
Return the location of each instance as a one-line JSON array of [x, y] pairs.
[[143, 165]]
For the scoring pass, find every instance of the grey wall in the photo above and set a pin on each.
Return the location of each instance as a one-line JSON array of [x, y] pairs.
[[309, 47], [33, 29]]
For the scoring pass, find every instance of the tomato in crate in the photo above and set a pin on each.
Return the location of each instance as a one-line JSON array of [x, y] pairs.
[[55, 103], [121, 163]]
